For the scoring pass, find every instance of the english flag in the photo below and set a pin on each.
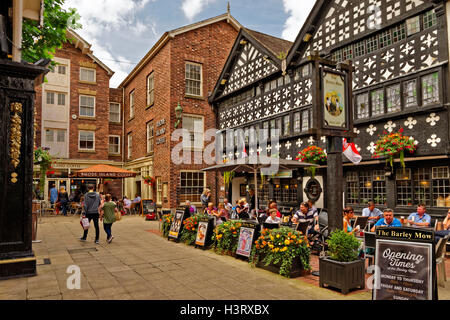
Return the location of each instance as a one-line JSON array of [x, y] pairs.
[[351, 152]]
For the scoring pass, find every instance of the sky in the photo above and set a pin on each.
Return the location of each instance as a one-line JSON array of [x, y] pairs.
[[121, 32]]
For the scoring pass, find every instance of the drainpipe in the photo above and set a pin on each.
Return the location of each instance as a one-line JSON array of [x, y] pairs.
[[17, 31], [123, 138]]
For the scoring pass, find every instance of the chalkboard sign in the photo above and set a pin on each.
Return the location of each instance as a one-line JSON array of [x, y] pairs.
[[204, 231], [405, 264], [246, 237], [148, 206], [177, 224]]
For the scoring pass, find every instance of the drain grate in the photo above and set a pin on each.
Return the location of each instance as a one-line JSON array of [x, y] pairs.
[[82, 250]]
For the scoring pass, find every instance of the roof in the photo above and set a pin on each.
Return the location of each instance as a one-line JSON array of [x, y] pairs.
[[85, 48], [104, 171], [273, 44], [168, 35]]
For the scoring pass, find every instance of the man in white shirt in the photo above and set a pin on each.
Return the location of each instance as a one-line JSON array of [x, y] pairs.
[[373, 213]]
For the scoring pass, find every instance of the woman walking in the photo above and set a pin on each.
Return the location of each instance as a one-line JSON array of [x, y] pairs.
[[107, 214], [63, 199]]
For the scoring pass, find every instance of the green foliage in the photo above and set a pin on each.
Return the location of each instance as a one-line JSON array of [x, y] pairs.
[[226, 237], [166, 220], [44, 160], [40, 42], [189, 232], [228, 176], [281, 247], [343, 247]]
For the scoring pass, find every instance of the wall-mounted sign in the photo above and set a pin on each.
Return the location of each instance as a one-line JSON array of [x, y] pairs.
[[161, 140], [160, 131], [161, 123], [405, 260], [334, 103]]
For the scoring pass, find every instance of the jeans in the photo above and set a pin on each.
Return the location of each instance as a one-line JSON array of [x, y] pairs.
[[440, 234], [97, 230], [64, 207], [107, 227]]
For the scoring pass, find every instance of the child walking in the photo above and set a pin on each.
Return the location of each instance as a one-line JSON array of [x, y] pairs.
[[108, 210]]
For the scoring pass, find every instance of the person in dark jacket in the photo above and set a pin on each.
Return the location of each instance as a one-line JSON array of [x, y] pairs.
[[91, 205], [63, 199]]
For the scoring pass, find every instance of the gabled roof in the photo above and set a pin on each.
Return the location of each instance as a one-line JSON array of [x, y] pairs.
[[309, 27], [275, 49], [85, 48], [173, 33]]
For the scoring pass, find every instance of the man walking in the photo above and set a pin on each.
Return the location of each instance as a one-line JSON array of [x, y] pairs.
[[91, 204], [53, 195]]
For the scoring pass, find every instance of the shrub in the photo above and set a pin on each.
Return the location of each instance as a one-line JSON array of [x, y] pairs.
[[342, 247], [166, 223], [226, 237], [281, 247]]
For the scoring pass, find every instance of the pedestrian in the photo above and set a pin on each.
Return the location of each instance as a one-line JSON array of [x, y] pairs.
[[108, 217], [53, 195], [91, 211], [205, 198], [63, 199]]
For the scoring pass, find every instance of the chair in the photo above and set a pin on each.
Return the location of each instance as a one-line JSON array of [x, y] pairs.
[[361, 221], [369, 243], [47, 208], [303, 227], [440, 260], [433, 223]]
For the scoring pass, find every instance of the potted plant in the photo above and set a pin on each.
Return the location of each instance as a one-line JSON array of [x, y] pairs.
[[312, 154], [342, 268], [189, 232], [283, 251], [392, 145], [226, 237], [166, 222]]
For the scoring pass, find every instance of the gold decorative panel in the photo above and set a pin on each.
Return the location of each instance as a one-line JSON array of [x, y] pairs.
[[15, 137]]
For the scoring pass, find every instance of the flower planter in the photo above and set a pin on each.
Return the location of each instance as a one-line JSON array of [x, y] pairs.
[[342, 275], [297, 269]]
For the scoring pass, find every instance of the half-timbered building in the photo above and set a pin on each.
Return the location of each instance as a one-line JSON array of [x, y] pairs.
[[399, 51]]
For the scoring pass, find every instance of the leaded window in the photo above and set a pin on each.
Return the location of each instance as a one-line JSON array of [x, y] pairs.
[[393, 96], [413, 25], [399, 32], [365, 187], [360, 48], [362, 106], [430, 88], [286, 125], [352, 188], [441, 186], [337, 55], [385, 38], [372, 44], [422, 186], [305, 120], [429, 19], [297, 122], [404, 187], [347, 53], [410, 93], [379, 187], [377, 102]]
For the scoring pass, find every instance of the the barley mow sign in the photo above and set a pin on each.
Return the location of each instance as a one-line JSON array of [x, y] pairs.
[[405, 264]]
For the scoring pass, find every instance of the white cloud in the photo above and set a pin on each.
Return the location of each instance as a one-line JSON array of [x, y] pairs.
[[191, 8], [298, 12], [103, 16]]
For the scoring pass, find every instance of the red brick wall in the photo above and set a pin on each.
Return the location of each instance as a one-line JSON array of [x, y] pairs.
[[38, 116], [116, 95], [209, 46]]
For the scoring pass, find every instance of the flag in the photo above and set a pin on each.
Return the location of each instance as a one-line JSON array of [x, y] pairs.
[[244, 153], [350, 151]]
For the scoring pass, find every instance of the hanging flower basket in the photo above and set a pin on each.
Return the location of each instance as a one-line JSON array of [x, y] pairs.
[[149, 181], [43, 158], [314, 155], [393, 145]]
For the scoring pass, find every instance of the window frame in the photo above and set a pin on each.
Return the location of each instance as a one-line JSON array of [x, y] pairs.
[[148, 138], [79, 141], [150, 92], [118, 144], [193, 146], [129, 145], [132, 102], [79, 106], [90, 70], [119, 111], [186, 79]]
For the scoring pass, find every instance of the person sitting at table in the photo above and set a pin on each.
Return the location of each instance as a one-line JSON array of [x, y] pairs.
[[242, 209], [420, 218], [210, 210], [348, 215], [373, 213], [222, 214], [137, 199], [387, 221], [446, 226], [273, 205], [192, 208], [312, 206], [228, 206], [273, 218], [306, 214]]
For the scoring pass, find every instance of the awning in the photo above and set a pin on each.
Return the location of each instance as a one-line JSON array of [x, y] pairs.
[[103, 171]]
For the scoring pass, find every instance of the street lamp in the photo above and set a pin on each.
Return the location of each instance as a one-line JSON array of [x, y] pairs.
[[178, 114]]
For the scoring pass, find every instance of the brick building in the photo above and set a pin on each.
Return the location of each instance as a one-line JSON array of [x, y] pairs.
[[74, 118], [181, 69]]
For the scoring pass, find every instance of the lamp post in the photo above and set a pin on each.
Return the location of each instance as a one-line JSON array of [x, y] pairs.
[[178, 114]]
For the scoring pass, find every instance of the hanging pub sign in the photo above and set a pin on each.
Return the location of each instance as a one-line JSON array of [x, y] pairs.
[[204, 231], [334, 99], [177, 224], [405, 264], [246, 236]]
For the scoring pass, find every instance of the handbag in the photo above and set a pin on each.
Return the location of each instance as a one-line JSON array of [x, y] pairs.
[[85, 223], [118, 215]]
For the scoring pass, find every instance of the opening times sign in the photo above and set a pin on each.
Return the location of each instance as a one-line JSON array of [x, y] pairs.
[[405, 264]]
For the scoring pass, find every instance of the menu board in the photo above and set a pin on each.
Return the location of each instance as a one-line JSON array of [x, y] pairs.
[[204, 231], [246, 236], [177, 223], [405, 267], [148, 206]]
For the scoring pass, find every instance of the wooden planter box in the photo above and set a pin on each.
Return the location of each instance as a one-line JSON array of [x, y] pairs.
[[342, 275], [297, 269]]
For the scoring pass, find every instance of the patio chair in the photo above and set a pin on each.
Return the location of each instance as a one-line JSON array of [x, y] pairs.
[[47, 208], [433, 223], [369, 243], [440, 261], [303, 227]]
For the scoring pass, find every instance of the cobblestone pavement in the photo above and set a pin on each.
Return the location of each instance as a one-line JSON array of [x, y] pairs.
[[141, 265]]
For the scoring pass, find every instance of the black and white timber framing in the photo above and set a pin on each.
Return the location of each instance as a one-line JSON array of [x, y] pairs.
[[399, 51]]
